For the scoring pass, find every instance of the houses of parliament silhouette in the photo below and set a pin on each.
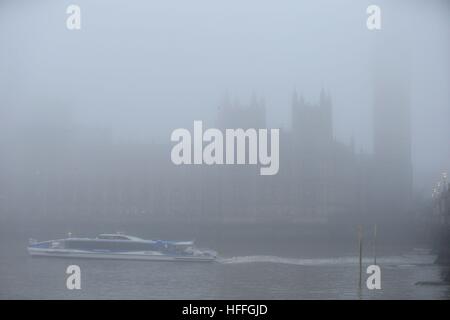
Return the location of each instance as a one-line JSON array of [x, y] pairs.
[[321, 179]]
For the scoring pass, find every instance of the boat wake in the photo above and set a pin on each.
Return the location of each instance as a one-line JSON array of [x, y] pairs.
[[291, 261], [407, 260]]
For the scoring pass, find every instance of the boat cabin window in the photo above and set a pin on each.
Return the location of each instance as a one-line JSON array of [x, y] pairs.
[[112, 237]]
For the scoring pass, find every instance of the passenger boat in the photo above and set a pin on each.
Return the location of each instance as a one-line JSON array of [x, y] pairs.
[[120, 246]]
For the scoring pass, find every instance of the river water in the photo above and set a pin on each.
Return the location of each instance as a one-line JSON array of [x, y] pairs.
[[248, 268]]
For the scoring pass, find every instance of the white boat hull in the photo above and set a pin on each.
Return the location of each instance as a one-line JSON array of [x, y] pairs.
[[139, 255]]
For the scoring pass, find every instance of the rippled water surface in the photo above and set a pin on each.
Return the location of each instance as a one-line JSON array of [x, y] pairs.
[[252, 270]]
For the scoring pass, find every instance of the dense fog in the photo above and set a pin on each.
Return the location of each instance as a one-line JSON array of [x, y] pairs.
[[86, 115]]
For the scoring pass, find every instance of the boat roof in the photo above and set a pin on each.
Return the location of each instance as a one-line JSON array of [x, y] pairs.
[[133, 238], [121, 235]]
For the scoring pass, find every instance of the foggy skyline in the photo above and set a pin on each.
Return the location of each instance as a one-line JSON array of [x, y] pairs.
[[222, 150], [147, 69]]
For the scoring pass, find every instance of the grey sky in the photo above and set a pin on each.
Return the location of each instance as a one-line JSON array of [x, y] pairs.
[[148, 67]]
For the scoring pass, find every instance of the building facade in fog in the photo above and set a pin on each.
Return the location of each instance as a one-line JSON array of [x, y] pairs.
[[66, 170]]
